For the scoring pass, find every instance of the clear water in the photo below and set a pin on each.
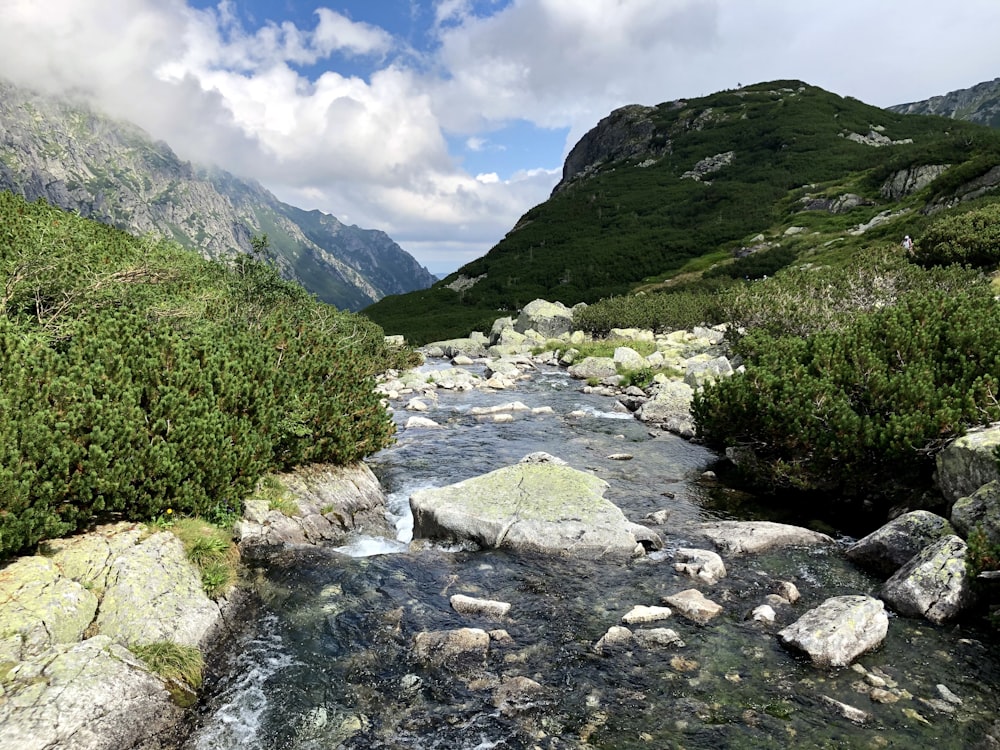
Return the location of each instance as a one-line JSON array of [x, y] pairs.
[[328, 661]]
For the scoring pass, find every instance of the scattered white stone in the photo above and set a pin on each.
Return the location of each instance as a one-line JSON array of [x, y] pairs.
[[421, 422], [468, 605], [543, 410], [949, 696], [641, 613], [617, 637], [621, 457], [415, 404], [850, 713], [694, 606], [764, 613], [657, 638], [702, 564], [788, 591]]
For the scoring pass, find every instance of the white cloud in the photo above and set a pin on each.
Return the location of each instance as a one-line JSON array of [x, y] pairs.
[[374, 151]]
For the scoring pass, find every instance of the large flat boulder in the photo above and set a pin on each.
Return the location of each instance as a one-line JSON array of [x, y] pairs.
[[933, 584], [550, 319], [888, 548], [838, 630], [539, 507], [153, 594], [93, 695], [758, 536], [968, 463]]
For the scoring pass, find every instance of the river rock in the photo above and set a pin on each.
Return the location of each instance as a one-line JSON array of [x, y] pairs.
[[980, 509], [617, 638], [764, 613], [657, 638], [933, 584], [693, 605], [667, 401], [968, 462], [471, 347], [704, 372], [93, 695], [886, 549], [550, 319], [451, 647], [642, 614], [541, 507], [702, 564], [505, 368], [593, 368], [421, 422], [838, 630], [153, 594], [627, 358], [757, 536], [41, 606], [468, 605], [516, 695], [331, 502]]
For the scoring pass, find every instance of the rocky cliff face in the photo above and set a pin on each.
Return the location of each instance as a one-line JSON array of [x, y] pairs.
[[113, 172], [980, 103]]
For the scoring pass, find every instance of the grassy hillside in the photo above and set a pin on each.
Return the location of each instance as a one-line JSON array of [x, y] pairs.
[[137, 379], [641, 221]]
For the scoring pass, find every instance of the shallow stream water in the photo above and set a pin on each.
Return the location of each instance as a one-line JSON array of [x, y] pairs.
[[327, 661]]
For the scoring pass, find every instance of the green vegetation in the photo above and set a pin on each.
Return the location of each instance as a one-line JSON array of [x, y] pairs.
[[136, 377], [971, 238], [212, 551], [632, 223], [172, 662], [855, 377]]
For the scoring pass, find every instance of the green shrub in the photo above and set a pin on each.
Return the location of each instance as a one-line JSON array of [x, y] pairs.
[[971, 238], [137, 378], [656, 311], [866, 406]]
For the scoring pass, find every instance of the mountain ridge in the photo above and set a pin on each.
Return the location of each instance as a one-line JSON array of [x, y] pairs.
[[656, 192], [979, 103], [110, 170]]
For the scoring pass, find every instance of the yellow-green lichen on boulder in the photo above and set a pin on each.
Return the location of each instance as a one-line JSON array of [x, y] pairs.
[[539, 507], [41, 606], [968, 463]]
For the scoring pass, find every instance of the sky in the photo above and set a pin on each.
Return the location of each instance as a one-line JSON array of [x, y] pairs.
[[441, 122]]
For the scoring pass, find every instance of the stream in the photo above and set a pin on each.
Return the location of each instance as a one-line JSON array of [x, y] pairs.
[[327, 659]]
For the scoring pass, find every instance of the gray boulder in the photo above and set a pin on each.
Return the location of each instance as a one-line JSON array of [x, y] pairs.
[[757, 536], [594, 368], [839, 630], [886, 549], [93, 695], [542, 507], [628, 358], [702, 564], [968, 463], [668, 401], [693, 605], [550, 319], [472, 346], [933, 584], [153, 594], [704, 372], [452, 648], [980, 509]]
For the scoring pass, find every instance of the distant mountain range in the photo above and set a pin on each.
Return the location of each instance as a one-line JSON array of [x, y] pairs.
[[979, 103], [112, 171], [653, 197]]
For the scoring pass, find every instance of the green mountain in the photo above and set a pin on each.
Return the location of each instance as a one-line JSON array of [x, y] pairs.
[[655, 194], [979, 103], [112, 171]]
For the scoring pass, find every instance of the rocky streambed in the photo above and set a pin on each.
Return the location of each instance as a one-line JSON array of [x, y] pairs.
[[601, 594]]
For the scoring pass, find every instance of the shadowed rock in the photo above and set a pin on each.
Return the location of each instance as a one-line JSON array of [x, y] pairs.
[[886, 549], [934, 584]]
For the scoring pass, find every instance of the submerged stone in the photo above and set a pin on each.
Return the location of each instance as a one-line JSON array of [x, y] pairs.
[[758, 536], [839, 630], [693, 605]]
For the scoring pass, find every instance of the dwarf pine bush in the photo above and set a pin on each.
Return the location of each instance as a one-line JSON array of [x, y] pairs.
[[136, 377]]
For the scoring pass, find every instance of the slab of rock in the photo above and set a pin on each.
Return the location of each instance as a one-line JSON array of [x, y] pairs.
[[704, 372], [550, 319], [85, 558], [693, 605], [758, 536], [933, 584], [421, 422], [657, 638], [702, 564], [449, 647], [517, 694], [540, 507], [467, 605], [617, 638], [968, 463], [886, 549], [93, 695], [980, 509], [640, 614], [153, 594], [593, 368], [669, 401], [41, 606], [838, 630]]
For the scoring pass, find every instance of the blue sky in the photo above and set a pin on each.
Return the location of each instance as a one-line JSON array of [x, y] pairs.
[[442, 121]]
